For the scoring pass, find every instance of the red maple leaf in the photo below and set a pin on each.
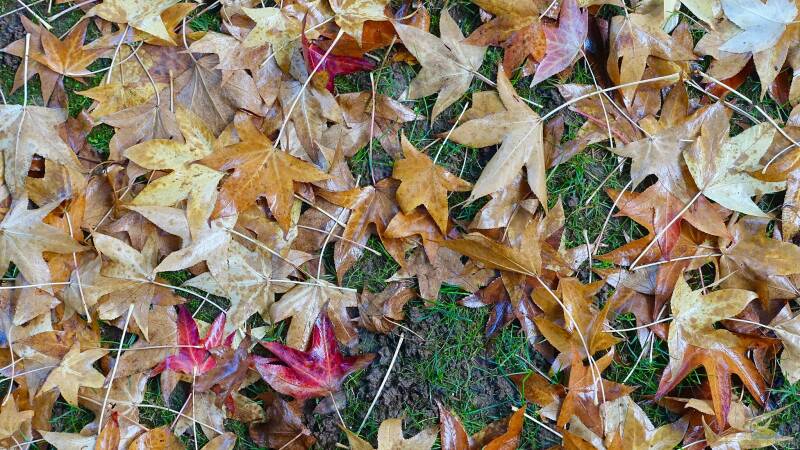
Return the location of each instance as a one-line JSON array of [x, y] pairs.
[[193, 355], [332, 65], [314, 373]]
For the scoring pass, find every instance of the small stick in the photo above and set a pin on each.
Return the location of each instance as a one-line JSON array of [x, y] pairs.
[[19, 9], [608, 218], [619, 330], [371, 129], [68, 10], [609, 89], [305, 85], [539, 422], [38, 285], [682, 258], [447, 137], [114, 369], [330, 216], [588, 253], [664, 230], [78, 271], [116, 52], [194, 379], [383, 383], [342, 238], [37, 16]]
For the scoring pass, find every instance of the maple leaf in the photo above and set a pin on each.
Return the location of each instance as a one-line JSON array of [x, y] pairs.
[[372, 208], [276, 27], [282, 424], [23, 238], [228, 374], [694, 342], [114, 97], [150, 120], [526, 260], [379, 313], [318, 372], [424, 183], [763, 262], [193, 356], [503, 311], [351, 15], [234, 53], [128, 280], [418, 222], [517, 28], [754, 432], [305, 302], [762, 23], [143, 15], [159, 438], [187, 180], [390, 436], [12, 419], [633, 39], [626, 426], [519, 132], [333, 65], [26, 131], [354, 133], [503, 434], [583, 390], [75, 370], [162, 336], [259, 169], [661, 153], [448, 64], [563, 42], [202, 89], [248, 279], [447, 268], [68, 57], [721, 166], [787, 328]]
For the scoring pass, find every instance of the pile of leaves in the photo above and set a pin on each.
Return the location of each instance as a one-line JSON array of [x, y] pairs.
[[230, 165]]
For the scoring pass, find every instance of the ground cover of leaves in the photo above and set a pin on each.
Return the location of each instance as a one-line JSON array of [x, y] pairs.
[[399, 224]]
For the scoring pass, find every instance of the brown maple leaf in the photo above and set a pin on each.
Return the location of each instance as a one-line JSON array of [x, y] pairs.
[[260, 170]]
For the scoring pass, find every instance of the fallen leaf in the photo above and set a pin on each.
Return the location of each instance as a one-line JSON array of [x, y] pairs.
[[423, 183], [318, 372], [564, 42], [448, 64], [390, 436], [74, 371], [518, 130]]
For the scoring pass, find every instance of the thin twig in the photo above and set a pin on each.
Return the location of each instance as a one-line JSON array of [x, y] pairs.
[[78, 270], [8, 13], [371, 129], [68, 10], [539, 422], [305, 84], [664, 230], [114, 369], [342, 238], [37, 16], [447, 137], [383, 383], [550, 114]]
